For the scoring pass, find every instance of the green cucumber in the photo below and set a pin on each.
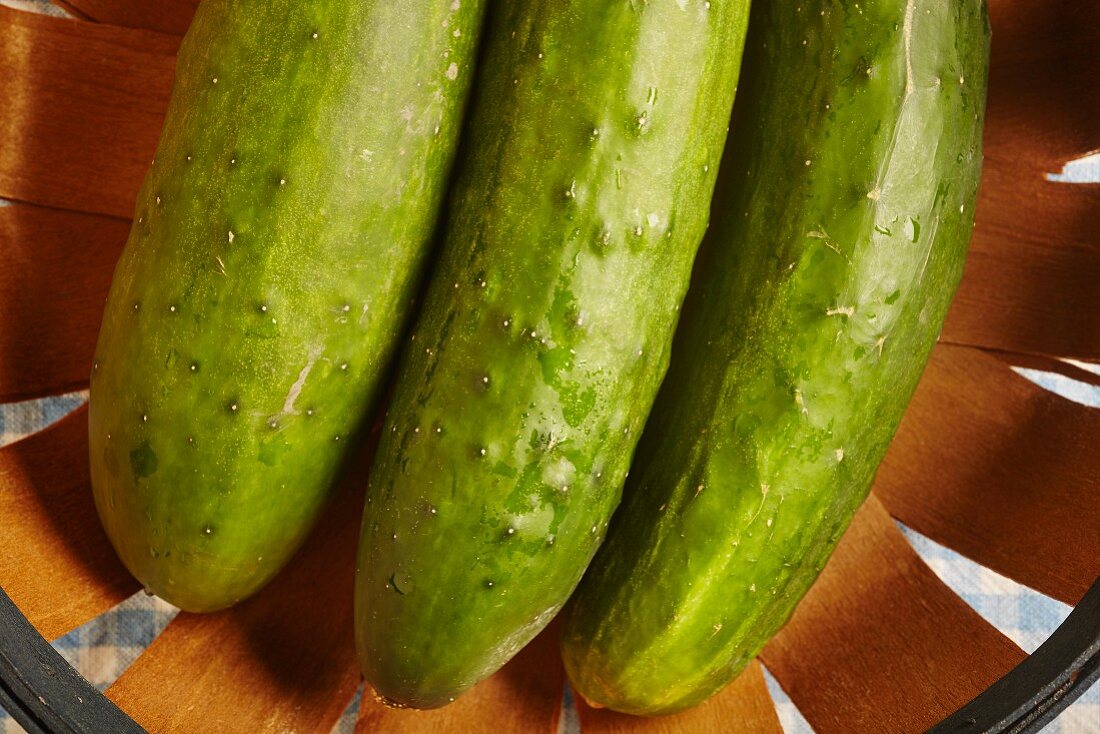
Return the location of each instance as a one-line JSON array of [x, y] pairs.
[[847, 202], [277, 244], [593, 150]]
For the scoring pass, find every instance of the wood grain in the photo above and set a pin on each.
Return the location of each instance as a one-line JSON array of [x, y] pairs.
[[1044, 92], [743, 707], [83, 107], [55, 270], [282, 661], [880, 644], [166, 16], [1030, 283], [1002, 471], [523, 697], [1047, 364], [56, 563]]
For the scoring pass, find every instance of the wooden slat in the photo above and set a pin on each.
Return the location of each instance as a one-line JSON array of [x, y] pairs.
[[1044, 93], [55, 561], [523, 697], [166, 16], [743, 707], [55, 269], [82, 110], [1002, 471], [1048, 364], [1030, 283], [282, 661], [880, 644]]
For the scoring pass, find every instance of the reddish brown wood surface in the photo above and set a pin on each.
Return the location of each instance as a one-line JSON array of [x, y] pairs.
[[1048, 364], [282, 661], [55, 561], [82, 109], [55, 269], [523, 697], [1044, 92], [1002, 471], [167, 16], [1031, 279], [880, 644], [744, 707]]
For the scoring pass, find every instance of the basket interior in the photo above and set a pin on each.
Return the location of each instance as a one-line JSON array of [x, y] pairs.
[[987, 462]]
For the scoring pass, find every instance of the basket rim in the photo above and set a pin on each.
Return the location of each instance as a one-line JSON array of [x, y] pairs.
[[42, 691]]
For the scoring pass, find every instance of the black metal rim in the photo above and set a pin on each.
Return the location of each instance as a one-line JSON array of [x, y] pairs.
[[1030, 695], [42, 691], [46, 695]]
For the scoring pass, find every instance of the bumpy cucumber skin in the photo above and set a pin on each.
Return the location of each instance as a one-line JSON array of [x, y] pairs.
[[845, 218], [277, 242], [593, 151]]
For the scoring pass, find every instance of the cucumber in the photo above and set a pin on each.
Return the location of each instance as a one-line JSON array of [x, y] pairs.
[[847, 202], [276, 247], [593, 150]]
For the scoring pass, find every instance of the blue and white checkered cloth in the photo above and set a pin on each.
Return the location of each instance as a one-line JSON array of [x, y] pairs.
[[103, 648]]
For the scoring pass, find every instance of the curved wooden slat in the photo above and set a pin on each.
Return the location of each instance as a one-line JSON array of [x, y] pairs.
[[1030, 283], [82, 110], [744, 707], [1048, 364], [880, 644], [523, 697], [1000, 470], [281, 661], [55, 269], [166, 16], [56, 564], [1044, 93]]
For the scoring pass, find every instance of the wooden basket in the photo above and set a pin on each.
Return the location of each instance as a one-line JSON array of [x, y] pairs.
[[985, 462]]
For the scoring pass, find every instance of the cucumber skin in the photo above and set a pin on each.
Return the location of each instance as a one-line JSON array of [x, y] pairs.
[[546, 329], [779, 404], [320, 135]]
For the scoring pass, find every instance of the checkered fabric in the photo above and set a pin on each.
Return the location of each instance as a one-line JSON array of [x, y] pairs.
[[104, 647]]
